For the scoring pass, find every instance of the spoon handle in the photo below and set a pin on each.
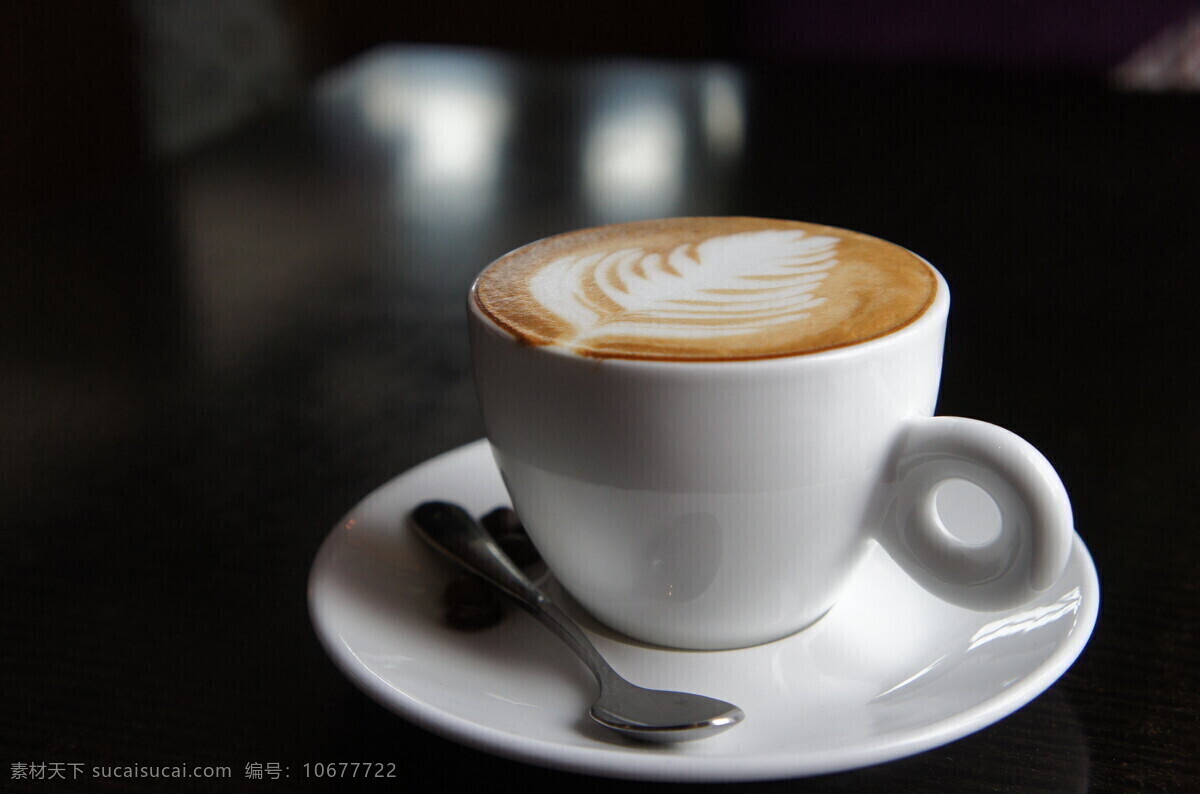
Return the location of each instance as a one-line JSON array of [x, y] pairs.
[[456, 534]]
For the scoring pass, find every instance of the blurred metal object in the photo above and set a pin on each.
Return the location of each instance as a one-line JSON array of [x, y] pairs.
[[515, 150], [1168, 62]]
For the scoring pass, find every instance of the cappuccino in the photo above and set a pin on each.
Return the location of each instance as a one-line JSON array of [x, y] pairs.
[[726, 504], [705, 289]]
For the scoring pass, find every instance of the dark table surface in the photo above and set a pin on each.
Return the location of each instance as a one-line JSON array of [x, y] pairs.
[[207, 364]]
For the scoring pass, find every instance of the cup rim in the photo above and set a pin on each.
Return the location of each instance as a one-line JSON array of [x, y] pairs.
[[935, 311]]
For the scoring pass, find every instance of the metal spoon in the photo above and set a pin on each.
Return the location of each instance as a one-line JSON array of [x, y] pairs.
[[646, 714]]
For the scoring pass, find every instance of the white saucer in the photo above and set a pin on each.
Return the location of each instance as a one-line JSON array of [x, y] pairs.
[[889, 672]]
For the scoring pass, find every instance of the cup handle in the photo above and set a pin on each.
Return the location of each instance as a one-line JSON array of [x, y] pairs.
[[1031, 549]]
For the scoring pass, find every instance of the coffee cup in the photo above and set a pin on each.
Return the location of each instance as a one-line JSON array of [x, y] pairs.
[[706, 424]]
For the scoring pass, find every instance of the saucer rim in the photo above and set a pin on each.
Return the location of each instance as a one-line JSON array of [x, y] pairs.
[[637, 762]]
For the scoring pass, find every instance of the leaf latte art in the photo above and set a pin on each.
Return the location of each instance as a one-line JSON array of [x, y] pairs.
[[704, 289], [726, 285]]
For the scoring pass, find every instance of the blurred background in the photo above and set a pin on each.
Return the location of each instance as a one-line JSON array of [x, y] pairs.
[[89, 88]]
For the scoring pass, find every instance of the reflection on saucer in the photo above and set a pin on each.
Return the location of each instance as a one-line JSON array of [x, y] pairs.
[[981, 652]]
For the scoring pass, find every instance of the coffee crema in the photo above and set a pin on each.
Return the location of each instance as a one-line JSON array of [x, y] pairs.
[[705, 289]]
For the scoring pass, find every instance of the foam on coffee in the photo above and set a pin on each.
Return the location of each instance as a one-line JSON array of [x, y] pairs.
[[705, 289]]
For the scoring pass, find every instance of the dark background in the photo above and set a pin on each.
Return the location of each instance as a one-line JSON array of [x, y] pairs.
[[73, 72], [227, 318]]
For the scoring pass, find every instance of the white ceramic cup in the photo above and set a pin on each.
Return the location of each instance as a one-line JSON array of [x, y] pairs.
[[711, 505]]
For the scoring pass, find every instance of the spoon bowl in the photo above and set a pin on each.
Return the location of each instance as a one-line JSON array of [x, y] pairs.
[[658, 715], [651, 715]]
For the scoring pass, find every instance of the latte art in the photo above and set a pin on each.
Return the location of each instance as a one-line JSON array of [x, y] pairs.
[[705, 289], [727, 285]]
